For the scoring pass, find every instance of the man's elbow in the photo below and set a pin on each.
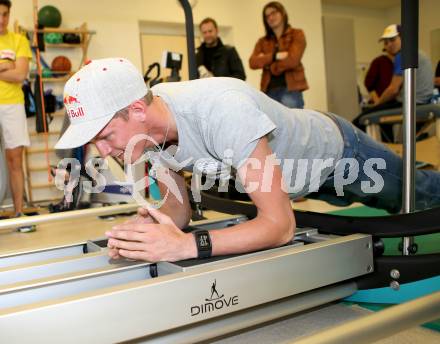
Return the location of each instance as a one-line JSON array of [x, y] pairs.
[[187, 217], [286, 229], [21, 78], [182, 218], [290, 228], [18, 78]]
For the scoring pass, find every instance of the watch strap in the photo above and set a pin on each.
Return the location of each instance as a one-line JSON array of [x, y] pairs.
[[203, 242]]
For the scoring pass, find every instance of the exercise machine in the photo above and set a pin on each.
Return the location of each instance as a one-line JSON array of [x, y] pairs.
[[170, 60], [110, 301], [90, 297]]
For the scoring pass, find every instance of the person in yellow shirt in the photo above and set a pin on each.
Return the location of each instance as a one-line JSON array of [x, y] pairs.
[[15, 54]]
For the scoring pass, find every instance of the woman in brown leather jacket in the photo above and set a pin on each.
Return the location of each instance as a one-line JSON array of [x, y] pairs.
[[279, 54]]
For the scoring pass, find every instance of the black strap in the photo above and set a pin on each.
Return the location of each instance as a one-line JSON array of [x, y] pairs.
[[418, 223]]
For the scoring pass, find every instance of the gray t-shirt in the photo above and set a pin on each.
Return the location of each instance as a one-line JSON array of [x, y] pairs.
[[424, 78], [221, 120]]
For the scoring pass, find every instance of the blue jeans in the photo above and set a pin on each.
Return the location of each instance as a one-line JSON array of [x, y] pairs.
[[291, 99], [361, 147]]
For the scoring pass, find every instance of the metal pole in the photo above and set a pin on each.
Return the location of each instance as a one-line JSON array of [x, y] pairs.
[[191, 50], [410, 23], [66, 215], [382, 324]]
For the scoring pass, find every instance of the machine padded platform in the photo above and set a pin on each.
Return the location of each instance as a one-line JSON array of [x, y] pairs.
[[423, 113]]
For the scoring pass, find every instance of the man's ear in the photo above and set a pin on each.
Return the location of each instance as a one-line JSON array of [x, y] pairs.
[[138, 110]]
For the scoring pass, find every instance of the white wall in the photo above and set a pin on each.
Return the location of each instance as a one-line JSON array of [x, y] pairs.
[[117, 27], [370, 23], [368, 27]]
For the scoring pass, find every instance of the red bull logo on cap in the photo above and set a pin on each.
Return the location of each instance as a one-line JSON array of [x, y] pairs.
[[70, 100], [73, 106]]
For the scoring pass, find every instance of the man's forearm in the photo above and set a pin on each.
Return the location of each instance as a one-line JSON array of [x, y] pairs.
[[176, 206], [179, 213], [4, 67], [386, 96], [12, 75], [259, 233]]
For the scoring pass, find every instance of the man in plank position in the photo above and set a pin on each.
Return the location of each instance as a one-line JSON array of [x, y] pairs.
[[214, 124]]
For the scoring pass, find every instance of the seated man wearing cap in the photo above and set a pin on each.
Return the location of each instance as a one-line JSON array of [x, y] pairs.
[[276, 153], [424, 73], [392, 96]]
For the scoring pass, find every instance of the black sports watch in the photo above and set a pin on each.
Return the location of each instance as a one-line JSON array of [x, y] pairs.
[[203, 242]]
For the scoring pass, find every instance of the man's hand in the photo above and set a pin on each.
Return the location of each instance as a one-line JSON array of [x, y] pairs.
[[392, 91], [142, 216], [8, 65], [204, 72], [152, 237], [281, 55], [374, 98]]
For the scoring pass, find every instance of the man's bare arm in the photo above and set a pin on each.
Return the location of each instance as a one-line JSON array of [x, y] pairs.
[[164, 241], [391, 91], [275, 222], [7, 65], [180, 212], [19, 73]]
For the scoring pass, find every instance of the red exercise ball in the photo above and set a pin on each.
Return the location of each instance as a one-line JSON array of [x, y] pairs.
[[61, 64]]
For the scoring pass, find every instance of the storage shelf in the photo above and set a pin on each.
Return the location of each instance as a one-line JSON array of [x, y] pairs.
[[53, 132], [37, 169], [63, 45], [63, 78], [39, 150], [55, 80], [61, 30], [43, 186]]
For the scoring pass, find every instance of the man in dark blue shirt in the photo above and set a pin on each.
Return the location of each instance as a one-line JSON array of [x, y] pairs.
[[424, 74]]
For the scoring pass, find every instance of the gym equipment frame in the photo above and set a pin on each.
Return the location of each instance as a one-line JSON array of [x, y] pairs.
[[77, 293]]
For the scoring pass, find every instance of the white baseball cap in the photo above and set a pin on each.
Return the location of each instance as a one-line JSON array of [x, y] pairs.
[[390, 31], [94, 94]]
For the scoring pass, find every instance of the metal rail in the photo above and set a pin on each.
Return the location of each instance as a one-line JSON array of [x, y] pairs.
[[382, 324], [66, 215]]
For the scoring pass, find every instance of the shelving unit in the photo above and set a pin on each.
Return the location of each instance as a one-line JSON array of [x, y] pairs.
[[38, 187]]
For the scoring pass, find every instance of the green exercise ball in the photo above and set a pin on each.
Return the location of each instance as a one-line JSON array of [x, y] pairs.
[[46, 73], [53, 37], [49, 16]]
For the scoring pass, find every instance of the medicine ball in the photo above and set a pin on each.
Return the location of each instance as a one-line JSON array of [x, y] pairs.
[[61, 64], [71, 38], [49, 16], [53, 38]]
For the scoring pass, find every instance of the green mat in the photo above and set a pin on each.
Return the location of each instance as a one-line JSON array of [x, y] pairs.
[[426, 243]]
